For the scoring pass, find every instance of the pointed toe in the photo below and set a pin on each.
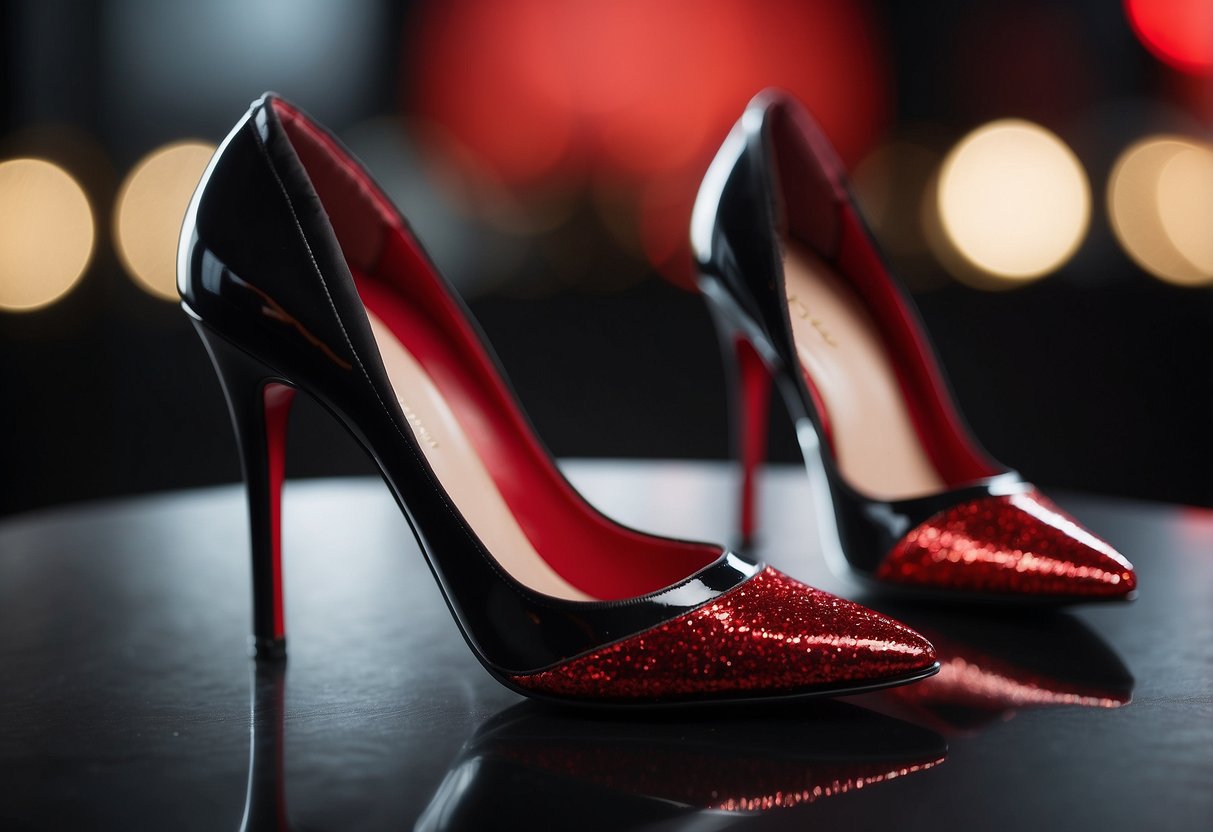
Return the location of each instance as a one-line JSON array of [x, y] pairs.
[[920, 654], [1127, 578], [771, 636], [1018, 545]]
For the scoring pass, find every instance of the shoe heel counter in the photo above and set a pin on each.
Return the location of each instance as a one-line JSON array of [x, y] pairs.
[[247, 264], [734, 244], [199, 269]]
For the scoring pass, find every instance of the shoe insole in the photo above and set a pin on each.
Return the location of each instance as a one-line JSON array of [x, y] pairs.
[[462, 472], [875, 443]]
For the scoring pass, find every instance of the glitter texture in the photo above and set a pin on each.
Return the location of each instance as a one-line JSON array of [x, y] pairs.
[[769, 635], [1019, 544]]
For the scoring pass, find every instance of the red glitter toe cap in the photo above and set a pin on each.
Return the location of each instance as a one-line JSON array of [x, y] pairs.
[[770, 635], [1017, 544]]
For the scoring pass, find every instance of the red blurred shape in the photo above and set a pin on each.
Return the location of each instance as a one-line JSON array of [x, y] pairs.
[[982, 684], [1178, 32], [636, 91], [471, 59]]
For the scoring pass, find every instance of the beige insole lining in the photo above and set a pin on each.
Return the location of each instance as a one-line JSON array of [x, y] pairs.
[[462, 472], [874, 440]]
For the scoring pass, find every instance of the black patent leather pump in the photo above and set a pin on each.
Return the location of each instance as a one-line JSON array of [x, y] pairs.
[[300, 275], [803, 298]]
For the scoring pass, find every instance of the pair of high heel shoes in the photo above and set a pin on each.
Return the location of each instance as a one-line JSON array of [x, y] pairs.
[[299, 274]]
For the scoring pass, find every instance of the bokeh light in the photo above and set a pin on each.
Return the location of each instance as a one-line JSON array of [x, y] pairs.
[[1160, 200], [891, 185], [1177, 32], [889, 181], [544, 94], [46, 233], [1013, 200], [149, 210], [1185, 204]]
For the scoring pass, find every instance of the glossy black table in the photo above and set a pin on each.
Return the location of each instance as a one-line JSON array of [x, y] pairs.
[[127, 699]]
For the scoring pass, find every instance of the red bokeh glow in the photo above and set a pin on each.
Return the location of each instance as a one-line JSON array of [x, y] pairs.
[[1179, 32], [635, 92]]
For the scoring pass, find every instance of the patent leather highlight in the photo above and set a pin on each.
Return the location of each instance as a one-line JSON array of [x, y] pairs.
[[745, 209], [281, 229]]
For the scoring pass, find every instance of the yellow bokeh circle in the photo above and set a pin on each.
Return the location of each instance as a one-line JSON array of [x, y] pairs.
[[149, 211], [46, 233]]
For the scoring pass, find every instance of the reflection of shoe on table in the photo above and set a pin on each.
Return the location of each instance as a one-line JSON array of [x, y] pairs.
[[612, 773], [124, 701], [265, 807], [993, 666]]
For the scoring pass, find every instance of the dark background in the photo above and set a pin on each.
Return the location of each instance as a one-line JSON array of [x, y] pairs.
[[1097, 377]]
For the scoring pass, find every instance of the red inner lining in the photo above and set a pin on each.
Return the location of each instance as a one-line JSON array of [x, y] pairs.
[[276, 403], [397, 283], [818, 211]]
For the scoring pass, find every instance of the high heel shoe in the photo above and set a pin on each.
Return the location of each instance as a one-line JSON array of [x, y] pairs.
[[801, 296], [299, 274]]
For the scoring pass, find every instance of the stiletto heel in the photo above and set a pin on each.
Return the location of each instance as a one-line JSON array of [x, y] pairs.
[[302, 275], [906, 497], [748, 382], [260, 404], [755, 383]]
